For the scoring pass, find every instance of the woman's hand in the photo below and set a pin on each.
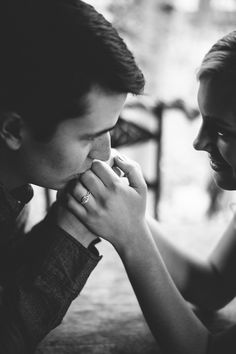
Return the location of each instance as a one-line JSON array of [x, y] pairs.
[[115, 209], [67, 221]]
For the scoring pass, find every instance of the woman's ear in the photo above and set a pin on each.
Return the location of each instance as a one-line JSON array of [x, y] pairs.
[[10, 130]]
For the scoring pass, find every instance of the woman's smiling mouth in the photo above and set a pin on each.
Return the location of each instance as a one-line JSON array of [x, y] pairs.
[[218, 164]]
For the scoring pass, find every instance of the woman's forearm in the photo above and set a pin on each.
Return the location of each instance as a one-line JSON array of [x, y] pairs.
[[170, 319], [196, 279]]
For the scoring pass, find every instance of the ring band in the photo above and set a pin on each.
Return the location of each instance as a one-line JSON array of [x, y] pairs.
[[85, 198]]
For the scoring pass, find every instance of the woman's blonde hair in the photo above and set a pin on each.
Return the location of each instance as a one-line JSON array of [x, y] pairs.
[[220, 61]]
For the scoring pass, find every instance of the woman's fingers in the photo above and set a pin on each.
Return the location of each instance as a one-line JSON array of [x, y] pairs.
[[102, 176], [78, 193], [100, 186], [94, 184], [115, 204], [100, 179], [76, 208], [105, 173], [132, 171]]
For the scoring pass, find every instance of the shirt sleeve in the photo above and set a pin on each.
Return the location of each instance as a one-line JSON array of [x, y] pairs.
[[53, 268]]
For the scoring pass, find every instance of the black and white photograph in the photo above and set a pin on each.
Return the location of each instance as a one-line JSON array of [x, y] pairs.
[[117, 176]]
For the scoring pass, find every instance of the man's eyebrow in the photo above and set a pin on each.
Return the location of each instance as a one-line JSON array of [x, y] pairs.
[[98, 133]]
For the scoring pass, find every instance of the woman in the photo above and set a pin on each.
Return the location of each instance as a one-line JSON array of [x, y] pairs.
[[162, 276]]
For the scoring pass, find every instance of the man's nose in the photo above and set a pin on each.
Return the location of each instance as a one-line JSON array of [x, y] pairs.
[[102, 148], [203, 140]]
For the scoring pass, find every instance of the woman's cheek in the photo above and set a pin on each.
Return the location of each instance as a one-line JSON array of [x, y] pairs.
[[227, 151], [223, 147]]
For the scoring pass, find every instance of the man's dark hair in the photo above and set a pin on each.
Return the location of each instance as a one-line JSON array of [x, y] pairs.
[[52, 53]]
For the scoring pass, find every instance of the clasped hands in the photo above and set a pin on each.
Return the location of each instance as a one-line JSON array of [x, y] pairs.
[[100, 203]]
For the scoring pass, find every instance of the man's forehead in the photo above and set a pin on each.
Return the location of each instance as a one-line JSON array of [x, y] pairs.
[[87, 126], [101, 115]]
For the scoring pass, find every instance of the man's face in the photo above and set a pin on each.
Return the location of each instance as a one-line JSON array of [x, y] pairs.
[[74, 146], [217, 134]]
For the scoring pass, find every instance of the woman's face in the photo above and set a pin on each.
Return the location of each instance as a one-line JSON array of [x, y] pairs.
[[217, 134]]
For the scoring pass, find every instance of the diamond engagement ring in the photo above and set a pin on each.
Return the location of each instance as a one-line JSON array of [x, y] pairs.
[[85, 198]]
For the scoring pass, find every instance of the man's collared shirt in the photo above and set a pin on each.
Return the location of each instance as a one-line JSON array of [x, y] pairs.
[[41, 272]]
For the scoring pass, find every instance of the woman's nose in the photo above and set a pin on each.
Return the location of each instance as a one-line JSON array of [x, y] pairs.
[[101, 148], [203, 140]]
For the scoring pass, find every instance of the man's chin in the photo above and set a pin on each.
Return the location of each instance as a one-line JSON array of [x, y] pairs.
[[54, 184], [225, 180]]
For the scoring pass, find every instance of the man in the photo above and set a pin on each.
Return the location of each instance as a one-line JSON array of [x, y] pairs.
[[64, 77]]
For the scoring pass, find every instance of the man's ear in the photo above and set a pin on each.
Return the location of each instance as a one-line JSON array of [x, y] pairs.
[[10, 130]]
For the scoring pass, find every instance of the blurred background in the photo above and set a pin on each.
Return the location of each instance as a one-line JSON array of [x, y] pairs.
[[169, 39]]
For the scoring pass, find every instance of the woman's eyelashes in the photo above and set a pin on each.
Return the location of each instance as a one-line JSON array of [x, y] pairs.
[[215, 130], [91, 138], [222, 133]]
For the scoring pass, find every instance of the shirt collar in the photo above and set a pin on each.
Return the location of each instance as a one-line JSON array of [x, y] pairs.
[[11, 203], [23, 194]]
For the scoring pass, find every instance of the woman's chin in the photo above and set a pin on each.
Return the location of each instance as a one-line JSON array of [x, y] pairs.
[[225, 179]]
